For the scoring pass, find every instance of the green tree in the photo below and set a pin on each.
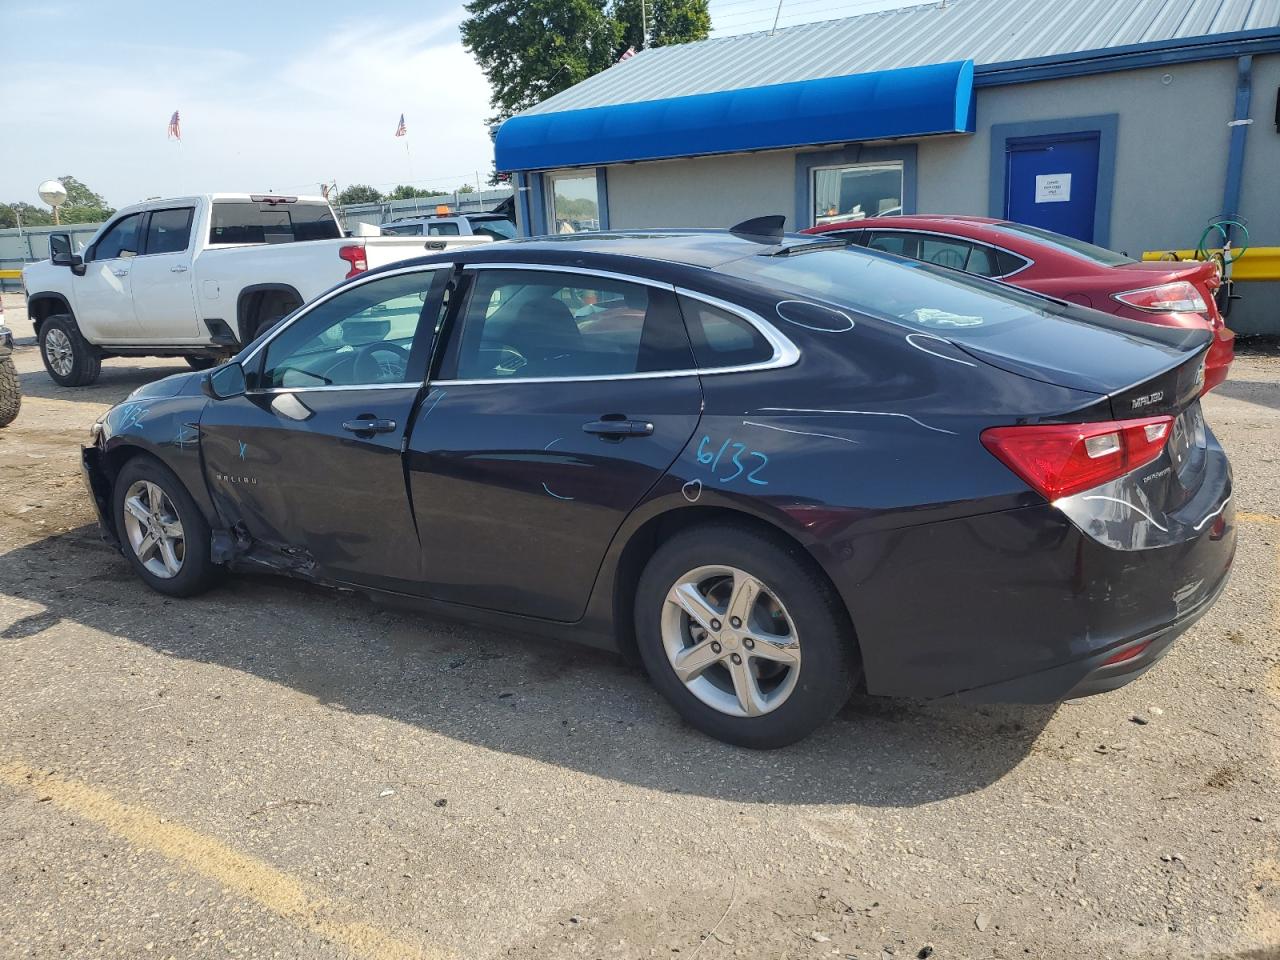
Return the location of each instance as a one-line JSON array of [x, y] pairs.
[[669, 21], [83, 205], [465, 188], [30, 215], [678, 21], [406, 192], [358, 193], [531, 49]]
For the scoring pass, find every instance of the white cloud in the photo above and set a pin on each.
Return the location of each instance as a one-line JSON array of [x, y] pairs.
[[253, 124]]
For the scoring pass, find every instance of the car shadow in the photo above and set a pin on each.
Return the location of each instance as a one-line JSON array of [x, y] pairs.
[[117, 380], [1251, 391], [555, 703]]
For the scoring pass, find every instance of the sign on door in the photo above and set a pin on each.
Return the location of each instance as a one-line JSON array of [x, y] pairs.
[[1053, 188]]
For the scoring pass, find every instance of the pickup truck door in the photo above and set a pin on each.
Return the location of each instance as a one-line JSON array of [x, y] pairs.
[[104, 294], [310, 459], [163, 300]]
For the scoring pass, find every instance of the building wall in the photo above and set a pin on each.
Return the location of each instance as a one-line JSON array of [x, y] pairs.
[[701, 191]]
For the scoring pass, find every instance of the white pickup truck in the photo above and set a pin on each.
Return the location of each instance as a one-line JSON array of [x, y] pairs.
[[196, 277]]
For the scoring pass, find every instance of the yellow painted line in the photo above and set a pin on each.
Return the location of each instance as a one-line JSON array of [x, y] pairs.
[[244, 875], [10, 274], [1258, 263]]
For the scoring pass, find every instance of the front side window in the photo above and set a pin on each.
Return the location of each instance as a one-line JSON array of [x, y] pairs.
[[573, 202], [362, 336], [249, 221], [169, 231], [526, 323], [856, 191], [121, 240]]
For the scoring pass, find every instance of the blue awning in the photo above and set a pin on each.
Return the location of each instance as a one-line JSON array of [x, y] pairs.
[[910, 102]]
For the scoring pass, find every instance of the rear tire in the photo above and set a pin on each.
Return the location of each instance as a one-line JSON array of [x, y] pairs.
[[747, 694], [10, 394], [162, 532], [70, 359]]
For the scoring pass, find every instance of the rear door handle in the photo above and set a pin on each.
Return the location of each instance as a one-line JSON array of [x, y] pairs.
[[178, 269], [369, 425], [121, 273], [619, 428]]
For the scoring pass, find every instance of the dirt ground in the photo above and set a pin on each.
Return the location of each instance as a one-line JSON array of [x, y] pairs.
[[274, 770]]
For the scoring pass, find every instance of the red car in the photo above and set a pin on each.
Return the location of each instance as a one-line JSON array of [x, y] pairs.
[[1165, 293]]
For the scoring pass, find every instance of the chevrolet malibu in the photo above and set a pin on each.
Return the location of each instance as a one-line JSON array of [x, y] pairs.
[[774, 468]]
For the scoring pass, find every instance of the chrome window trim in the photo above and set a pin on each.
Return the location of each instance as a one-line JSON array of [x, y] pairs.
[[336, 387], [949, 236], [306, 309], [785, 353]]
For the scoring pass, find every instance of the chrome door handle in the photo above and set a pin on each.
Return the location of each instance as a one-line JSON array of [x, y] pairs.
[[121, 273], [178, 269], [369, 425]]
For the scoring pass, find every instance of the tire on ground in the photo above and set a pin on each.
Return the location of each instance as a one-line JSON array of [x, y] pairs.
[[829, 665], [198, 572], [85, 364], [10, 394], [202, 363]]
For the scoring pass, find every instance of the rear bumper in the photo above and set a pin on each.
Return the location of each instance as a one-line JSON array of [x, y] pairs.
[[1217, 363]]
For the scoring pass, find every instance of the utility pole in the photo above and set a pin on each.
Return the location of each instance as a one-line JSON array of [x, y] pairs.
[[776, 16], [644, 25]]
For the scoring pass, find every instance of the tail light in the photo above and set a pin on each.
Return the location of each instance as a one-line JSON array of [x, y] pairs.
[[1057, 460], [1177, 297], [354, 255]]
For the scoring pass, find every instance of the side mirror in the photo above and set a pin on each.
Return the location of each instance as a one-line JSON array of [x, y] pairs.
[[224, 382], [60, 251]]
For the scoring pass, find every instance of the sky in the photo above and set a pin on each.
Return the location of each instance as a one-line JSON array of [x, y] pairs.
[[273, 96]]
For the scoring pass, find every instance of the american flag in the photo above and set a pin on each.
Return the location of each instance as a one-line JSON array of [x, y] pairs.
[[175, 129], [400, 130], [627, 54]]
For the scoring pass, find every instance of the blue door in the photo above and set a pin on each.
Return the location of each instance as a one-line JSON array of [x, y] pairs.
[[1052, 182]]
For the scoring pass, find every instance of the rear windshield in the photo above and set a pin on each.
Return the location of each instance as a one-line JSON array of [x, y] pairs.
[[1100, 255], [917, 294], [244, 221]]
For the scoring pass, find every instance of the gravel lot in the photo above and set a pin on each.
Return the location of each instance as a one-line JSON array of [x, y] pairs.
[[276, 770]]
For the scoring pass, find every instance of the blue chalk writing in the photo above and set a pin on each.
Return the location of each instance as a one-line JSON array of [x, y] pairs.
[[711, 460]]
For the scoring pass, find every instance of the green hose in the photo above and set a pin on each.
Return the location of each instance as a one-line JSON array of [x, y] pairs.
[[1223, 225]]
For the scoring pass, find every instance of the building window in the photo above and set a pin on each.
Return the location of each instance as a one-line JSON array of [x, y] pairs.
[[855, 191], [573, 204]]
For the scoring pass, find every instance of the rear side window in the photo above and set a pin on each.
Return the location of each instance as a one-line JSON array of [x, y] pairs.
[[945, 252], [498, 229], [245, 221], [903, 244], [121, 240], [720, 338], [442, 230], [525, 323], [169, 231], [1009, 263], [402, 230]]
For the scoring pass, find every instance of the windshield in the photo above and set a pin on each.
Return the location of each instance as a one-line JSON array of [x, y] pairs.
[[917, 294], [1064, 244]]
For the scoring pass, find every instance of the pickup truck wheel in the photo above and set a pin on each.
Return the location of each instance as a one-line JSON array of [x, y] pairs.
[[10, 395], [68, 357], [202, 363]]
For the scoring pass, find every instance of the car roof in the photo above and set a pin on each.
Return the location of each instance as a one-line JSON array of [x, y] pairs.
[[695, 248]]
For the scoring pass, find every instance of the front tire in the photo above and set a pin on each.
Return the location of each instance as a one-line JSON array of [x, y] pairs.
[[162, 532], [745, 637], [10, 394], [202, 363], [69, 358]]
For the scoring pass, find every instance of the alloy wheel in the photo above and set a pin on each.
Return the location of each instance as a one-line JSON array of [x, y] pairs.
[[154, 529], [730, 641], [59, 352]]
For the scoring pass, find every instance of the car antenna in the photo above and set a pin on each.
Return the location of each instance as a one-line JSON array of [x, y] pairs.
[[761, 229]]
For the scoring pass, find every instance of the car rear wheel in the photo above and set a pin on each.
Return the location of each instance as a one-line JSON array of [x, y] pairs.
[[10, 394], [68, 357], [745, 638], [162, 532]]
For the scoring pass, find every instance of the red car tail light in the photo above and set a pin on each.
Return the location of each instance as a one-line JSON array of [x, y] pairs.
[[354, 255], [1057, 460], [1128, 653], [1177, 297]]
